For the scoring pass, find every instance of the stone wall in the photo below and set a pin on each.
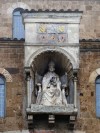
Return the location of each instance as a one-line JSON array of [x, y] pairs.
[[11, 60], [90, 23], [89, 62]]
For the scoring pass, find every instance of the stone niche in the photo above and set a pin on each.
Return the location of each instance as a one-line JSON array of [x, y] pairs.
[[51, 64]]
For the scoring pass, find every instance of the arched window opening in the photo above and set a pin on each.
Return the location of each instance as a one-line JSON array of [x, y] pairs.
[[18, 27], [2, 96], [98, 96]]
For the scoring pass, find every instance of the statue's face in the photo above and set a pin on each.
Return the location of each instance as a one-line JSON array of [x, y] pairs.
[[51, 68]]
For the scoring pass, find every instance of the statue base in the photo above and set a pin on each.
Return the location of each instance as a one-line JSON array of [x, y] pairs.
[[56, 110], [70, 111]]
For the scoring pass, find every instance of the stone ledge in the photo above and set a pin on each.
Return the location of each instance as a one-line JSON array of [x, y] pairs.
[[57, 110], [17, 131], [43, 131]]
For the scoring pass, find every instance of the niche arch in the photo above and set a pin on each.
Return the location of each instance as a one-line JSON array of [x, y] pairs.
[[52, 50], [63, 66]]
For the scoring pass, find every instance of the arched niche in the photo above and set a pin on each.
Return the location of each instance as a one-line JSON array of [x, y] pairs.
[[62, 63], [63, 66]]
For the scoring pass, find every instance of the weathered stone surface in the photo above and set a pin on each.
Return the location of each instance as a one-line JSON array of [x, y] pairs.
[[14, 86], [89, 62], [98, 71], [6, 74], [93, 77], [56, 24], [38, 109]]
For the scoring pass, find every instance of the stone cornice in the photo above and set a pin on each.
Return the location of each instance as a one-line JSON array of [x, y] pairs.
[[89, 40], [85, 45], [51, 11]]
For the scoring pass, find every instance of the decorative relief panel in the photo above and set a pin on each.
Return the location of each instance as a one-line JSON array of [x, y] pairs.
[[51, 33]]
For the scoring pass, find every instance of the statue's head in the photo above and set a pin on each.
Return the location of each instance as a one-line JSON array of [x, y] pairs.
[[51, 66]]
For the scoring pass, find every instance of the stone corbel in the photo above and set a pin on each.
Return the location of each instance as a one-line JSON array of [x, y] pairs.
[[51, 119], [72, 120]]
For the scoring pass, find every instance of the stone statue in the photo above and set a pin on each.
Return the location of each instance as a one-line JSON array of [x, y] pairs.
[[51, 94]]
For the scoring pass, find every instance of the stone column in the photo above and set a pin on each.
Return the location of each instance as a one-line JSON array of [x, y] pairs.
[[29, 89], [75, 91], [28, 92]]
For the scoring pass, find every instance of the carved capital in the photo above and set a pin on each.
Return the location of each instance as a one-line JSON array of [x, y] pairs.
[[75, 72], [27, 72]]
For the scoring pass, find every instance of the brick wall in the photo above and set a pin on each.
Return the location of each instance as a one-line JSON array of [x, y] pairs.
[[89, 62], [11, 59], [90, 22]]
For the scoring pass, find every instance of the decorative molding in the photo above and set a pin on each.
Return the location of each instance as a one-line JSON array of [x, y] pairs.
[[54, 10], [6, 74], [94, 75], [11, 39]]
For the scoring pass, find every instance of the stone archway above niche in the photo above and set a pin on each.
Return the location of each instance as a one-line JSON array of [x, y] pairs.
[[66, 53], [94, 75], [6, 74]]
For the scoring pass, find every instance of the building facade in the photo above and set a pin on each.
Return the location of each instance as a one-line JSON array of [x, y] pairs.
[[25, 52]]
